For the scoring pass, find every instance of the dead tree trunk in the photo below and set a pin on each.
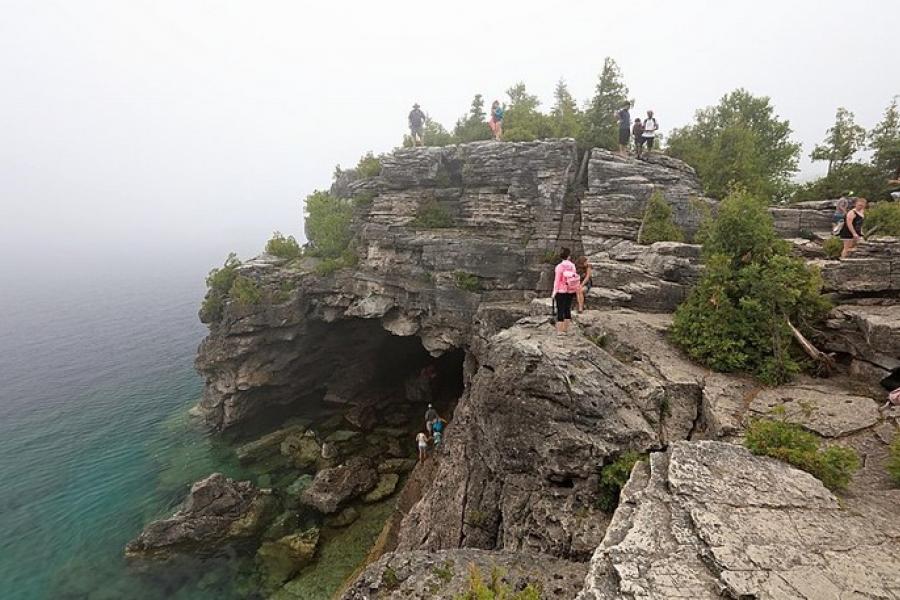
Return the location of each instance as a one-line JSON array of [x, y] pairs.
[[817, 355]]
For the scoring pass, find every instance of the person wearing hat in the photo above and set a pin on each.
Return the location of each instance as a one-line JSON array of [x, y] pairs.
[[431, 416], [417, 126]]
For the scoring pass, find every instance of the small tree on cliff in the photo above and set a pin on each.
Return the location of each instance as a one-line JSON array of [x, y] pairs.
[[842, 140], [473, 126], [523, 122], [566, 120], [740, 141], [884, 140], [600, 129], [738, 316], [327, 224]]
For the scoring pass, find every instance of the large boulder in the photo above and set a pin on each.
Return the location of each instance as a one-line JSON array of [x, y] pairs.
[[281, 559], [710, 520], [540, 417], [335, 486], [217, 510]]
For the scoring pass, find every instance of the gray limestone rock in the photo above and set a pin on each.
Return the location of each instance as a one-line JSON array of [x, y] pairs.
[[824, 409], [710, 520], [332, 487]]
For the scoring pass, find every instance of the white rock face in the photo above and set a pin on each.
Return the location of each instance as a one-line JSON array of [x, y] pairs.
[[710, 520], [825, 409]]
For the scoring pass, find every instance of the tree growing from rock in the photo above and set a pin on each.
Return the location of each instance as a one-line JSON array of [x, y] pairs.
[[657, 224], [523, 122], [565, 117], [600, 129], [473, 126], [738, 317], [884, 141], [739, 141], [842, 140]]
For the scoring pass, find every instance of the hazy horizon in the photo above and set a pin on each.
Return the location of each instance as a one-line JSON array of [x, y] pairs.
[[147, 135]]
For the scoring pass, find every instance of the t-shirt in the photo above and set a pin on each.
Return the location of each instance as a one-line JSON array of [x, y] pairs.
[[416, 118], [431, 414], [422, 439], [498, 113], [650, 127], [438, 426], [624, 119], [637, 130]]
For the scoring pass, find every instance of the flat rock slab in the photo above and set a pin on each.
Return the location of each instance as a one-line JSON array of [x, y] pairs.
[[708, 520], [446, 575], [824, 409]]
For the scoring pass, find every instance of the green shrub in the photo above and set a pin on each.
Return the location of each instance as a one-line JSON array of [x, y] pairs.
[[364, 199], [431, 215], [218, 285], [467, 281], [833, 247], [245, 291], [883, 219], [705, 219], [327, 224], [893, 465], [657, 225], [833, 466], [283, 247], [736, 317], [389, 579], [327, 266], [369, 165], [613, 478], [444, 571], [851, 179], [495, 589]]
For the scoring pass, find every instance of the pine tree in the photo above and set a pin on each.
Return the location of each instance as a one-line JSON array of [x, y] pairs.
[[473, 126], [842, 140], [884, 140], [565, 116], [523, 122], [600, 128]]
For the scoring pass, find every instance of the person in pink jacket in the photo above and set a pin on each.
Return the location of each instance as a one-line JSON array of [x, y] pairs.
[[566, 284]]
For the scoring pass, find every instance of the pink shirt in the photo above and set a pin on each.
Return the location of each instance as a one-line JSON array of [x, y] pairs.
[[559, 281]]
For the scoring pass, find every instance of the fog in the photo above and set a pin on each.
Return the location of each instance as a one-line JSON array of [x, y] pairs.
[[160, 135]]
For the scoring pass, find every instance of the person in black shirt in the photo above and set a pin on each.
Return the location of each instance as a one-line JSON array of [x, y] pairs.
[[624, 118]]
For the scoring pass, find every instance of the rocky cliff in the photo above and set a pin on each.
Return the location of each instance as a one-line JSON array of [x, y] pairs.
[[534, 417]]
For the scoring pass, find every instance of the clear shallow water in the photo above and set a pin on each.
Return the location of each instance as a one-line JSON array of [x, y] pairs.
[[95, 378]]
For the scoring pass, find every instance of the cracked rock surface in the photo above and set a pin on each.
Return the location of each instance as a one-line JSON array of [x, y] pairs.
[[708, 519]]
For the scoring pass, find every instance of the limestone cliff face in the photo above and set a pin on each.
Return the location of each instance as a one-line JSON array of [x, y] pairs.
[[512, 206]]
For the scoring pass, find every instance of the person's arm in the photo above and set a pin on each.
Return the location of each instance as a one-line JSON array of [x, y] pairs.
[[556, 273], [587, 275], [851, 214]]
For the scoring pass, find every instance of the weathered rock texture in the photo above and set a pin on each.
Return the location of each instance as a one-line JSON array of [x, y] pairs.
[[708, 519], [446, 575], [218, 510], [511, 205]]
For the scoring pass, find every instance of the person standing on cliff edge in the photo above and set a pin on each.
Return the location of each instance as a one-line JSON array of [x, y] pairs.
[[650, 127], [624, 117], [417, 126], [566, 284]]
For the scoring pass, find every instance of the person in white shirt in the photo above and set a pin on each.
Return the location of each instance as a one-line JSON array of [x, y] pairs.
[[650, 128], [422, 441]]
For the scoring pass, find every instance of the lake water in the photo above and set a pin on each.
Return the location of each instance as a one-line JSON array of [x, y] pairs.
[[95, 379]]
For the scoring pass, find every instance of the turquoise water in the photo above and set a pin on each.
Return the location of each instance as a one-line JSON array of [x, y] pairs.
[[95, 379]]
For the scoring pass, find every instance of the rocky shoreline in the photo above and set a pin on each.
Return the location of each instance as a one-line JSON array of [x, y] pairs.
[[534, 417]]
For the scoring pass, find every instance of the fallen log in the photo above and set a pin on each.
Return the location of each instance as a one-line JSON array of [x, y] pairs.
[[826, 360]]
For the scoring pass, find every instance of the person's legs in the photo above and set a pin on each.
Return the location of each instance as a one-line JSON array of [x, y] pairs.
[[499, 130], [422, 453], [563, 312], [649, 143], [849, 245], [580, 296]]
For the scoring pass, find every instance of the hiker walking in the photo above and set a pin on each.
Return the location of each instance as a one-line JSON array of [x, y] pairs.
[[437, 429], [431, 416], [637, 132], [417, 126], [624, 117], [650, 128], [496, 121], [851, 232], [422, 443], [584, 270], [566, 284]]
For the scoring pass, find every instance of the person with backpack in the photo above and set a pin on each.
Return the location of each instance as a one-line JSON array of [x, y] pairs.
[[431, 416], [417, 126], [650, 128], [496, 121], [851, 232], [437, 431], [624, 118], [840, 212], [566, 284], [637, 131]]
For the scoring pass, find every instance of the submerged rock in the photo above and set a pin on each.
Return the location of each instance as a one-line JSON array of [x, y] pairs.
[[217, 510], [282, 559], [267, 445], [302, 449], [332, 487], [709, 519], [343, 518], [386, 485]]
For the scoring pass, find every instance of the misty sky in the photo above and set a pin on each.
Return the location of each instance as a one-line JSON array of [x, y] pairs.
[[166, 132]]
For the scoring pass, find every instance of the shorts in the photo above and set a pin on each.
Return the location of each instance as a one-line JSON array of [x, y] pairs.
[[624, 136], [648, 141], [638, 141], [423, 446], [564, 307], [417, 132]]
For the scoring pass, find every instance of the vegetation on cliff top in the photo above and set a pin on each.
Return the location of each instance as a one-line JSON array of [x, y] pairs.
[[495, 589], [833, 466], [218, 284], [737, 316], [613, 478], [283, 247], [327, 224]]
